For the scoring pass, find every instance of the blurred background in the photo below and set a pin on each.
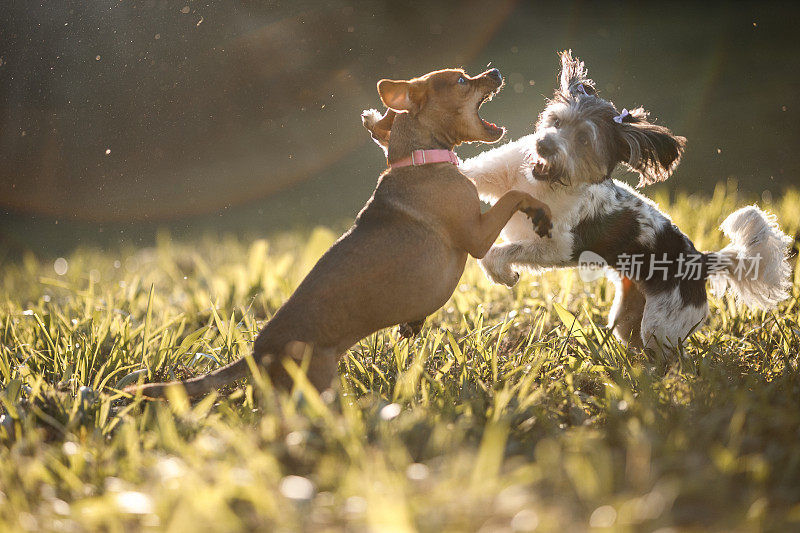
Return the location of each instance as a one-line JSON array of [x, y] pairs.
[[118, 119]]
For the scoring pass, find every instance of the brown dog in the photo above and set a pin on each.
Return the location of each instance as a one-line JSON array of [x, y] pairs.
[[406, 252]]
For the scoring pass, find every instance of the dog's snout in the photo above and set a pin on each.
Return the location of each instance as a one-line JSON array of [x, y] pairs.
[[494, 73], [545, 146]]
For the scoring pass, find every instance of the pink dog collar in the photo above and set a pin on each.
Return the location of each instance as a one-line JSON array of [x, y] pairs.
[[424, 157]]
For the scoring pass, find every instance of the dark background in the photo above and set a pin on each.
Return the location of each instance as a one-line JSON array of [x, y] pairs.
[[120, 118]]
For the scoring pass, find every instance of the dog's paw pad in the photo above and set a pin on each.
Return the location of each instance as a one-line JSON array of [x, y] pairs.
[[536, 215], [545, 230]]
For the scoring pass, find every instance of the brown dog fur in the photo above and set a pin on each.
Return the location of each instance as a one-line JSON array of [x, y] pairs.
[[406, 252]]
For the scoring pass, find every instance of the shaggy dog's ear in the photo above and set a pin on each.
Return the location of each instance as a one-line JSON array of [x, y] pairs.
[[574, 80], [380, 127], [651, 150]]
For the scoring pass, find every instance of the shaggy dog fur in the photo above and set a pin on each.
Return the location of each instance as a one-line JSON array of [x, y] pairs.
[[659, 275]]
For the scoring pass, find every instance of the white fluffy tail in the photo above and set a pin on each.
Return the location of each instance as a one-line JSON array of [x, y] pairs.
[[756, 268]]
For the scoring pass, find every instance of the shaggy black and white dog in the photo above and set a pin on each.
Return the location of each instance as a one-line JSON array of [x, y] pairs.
[[660, 276]]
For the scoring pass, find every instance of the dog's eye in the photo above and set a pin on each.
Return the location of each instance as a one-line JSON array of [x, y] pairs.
[[556, 123], [583, 139], [462, 80]]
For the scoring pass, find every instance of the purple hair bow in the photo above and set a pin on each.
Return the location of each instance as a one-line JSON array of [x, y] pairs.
[[621, 117]]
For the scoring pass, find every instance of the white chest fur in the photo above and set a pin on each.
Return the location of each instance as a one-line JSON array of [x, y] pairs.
[[504, 168]]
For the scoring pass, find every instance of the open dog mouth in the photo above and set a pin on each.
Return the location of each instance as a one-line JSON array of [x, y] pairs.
[[540, 169], [491, 127], [543, 170]]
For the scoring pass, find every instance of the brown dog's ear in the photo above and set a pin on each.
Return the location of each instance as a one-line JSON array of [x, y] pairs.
[[401, 95], [652, 151], [379, 126]]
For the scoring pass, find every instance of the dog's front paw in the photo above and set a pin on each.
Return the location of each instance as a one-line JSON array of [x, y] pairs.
[[498, 271], [540, 218], [369, 117]]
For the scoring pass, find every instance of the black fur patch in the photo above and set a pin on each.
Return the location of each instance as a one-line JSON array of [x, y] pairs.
[[615, 237], [678, 250], [606, 235]]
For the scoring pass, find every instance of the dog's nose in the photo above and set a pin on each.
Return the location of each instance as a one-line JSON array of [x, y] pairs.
[[545, 146], [494, 73]]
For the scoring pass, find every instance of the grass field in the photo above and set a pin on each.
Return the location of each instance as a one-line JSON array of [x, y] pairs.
[[506, 414]]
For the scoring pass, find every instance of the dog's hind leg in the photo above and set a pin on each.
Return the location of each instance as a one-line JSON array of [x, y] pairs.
[[321, 368], [625, 318], [668, 320]]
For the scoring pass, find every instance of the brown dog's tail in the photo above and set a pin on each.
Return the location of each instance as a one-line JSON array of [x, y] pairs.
[[195, 386]]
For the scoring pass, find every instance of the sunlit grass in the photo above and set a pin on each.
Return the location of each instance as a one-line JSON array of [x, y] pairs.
[[513, 410]]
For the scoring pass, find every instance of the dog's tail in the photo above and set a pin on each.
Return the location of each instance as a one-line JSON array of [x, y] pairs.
[[194, 386], [754, 265]]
